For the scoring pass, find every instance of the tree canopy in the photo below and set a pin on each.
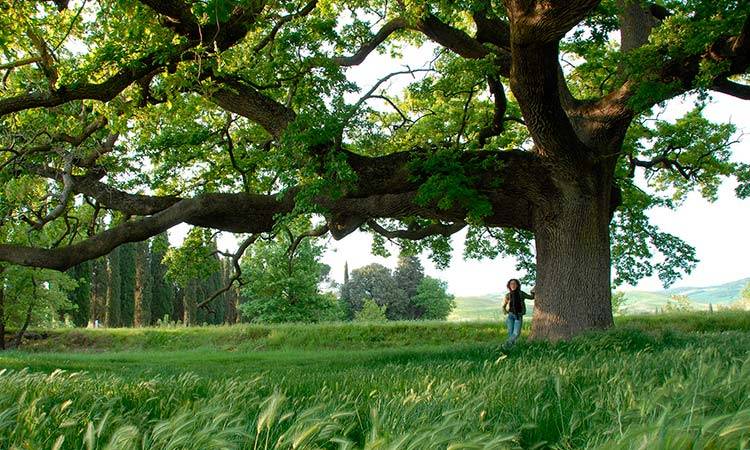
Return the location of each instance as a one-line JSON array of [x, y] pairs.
[[121, 119]]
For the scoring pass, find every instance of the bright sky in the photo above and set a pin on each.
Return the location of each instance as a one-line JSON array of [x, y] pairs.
[[718, 231]]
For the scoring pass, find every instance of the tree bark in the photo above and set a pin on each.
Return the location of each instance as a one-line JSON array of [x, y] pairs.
[[573, 267]]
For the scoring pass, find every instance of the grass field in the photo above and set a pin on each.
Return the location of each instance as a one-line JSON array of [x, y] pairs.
[[661, 381]]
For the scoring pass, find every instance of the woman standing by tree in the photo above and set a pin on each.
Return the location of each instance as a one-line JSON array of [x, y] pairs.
[[514, 306]]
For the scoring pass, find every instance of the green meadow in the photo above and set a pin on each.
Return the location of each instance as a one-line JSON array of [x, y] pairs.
[[678, 381]]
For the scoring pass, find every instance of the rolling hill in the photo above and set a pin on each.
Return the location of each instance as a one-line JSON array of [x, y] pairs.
[[488, 307]]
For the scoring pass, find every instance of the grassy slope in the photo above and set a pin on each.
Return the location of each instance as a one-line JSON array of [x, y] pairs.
[[486, 307], [722, 293], [669, 381]]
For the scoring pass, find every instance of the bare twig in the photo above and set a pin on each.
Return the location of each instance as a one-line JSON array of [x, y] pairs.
[[236, 256]]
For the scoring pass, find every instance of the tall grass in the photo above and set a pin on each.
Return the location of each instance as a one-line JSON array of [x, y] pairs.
[[637, 386]]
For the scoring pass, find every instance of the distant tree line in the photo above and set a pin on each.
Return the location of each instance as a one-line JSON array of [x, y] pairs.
[[405, 293], [130, 287], [148, 283]]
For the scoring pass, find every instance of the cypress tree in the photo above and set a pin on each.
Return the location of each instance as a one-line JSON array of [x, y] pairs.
[[409, 273], [127, 284], [113, 308], [217, 307], [142, 293], [81, 295], [162, 291], [99, 282], [232, 295]]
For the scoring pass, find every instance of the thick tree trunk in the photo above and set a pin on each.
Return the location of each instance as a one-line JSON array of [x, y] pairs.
[[573, 268]]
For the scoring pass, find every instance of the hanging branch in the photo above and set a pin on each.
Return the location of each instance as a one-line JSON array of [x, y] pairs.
[[64, 198], [22, 331], [237, 270], [317, 232]]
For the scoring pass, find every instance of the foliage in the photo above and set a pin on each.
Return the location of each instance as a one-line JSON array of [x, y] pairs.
[[481, 242], [405, 294], [678, 303], [433, 300], [618, 301], [371, 312], [194, 260], [636, 241], [280, 287], [374, 282], [39, 292], [409, 274]]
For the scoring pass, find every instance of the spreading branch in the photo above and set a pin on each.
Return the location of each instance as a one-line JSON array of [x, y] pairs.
[[359, 56], [307, 9]]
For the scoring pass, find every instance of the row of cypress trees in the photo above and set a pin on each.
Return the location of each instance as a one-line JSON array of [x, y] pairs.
[[128, 288]]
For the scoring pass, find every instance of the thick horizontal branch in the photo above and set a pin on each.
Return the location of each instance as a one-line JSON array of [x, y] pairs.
[[104, 91], [741, 91], [176, 16], [62, 258], [680, 75], [385, 190], [416, 234], [108, 196], [242, 99], [441, 33], [20, 62], [451, 38]]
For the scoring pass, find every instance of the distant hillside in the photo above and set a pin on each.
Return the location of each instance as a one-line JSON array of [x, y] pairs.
[[722, 293], [488, 307], [645, 302]]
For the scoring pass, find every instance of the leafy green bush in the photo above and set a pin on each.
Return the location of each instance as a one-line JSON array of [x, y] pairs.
[[371, 312]]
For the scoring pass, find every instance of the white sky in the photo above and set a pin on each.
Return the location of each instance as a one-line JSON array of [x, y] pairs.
[[718, 231]]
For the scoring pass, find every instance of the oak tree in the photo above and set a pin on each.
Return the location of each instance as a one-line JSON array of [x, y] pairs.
[[528, 124]]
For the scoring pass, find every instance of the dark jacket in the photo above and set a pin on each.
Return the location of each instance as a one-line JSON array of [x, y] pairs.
[[517, 308]]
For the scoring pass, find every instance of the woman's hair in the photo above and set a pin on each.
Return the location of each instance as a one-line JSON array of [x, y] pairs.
[[518, 283]]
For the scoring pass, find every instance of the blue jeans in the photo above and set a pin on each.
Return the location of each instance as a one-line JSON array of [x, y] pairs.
[[513, 322]]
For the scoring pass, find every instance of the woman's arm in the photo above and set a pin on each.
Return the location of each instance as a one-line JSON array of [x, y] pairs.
[[505, 303], [528, 296]]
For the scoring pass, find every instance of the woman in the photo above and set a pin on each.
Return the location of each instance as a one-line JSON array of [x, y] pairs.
[[515, 307]]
